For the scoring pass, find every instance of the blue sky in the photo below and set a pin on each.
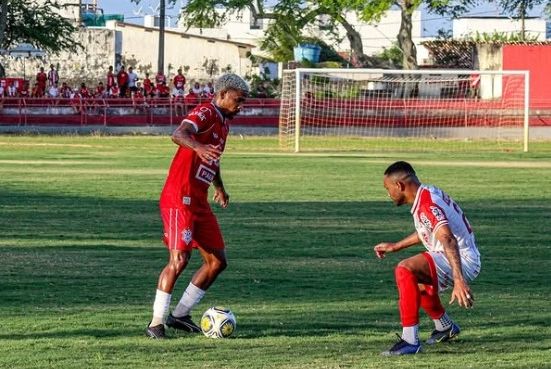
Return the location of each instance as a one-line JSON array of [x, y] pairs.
[[431, 22]]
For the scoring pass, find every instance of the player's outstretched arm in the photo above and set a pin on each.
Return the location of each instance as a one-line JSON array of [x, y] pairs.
[[461, 290], [183, 136], [221, 197], [383, 248]]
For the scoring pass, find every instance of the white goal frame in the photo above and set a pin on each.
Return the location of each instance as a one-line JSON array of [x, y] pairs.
[[301, 72]]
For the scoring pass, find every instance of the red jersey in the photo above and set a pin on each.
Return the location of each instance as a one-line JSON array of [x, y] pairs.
[[41, 79], [147, 86], [122, 78], [110, 79], [179, 81], [189, 177]]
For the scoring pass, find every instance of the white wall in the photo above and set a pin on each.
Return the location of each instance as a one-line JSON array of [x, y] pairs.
[[139, 48], [465, 27], [374, 37]]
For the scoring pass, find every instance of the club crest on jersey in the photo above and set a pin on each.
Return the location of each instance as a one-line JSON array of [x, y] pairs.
[[187, 236], [215, 135], [437, 213], [426, 222]]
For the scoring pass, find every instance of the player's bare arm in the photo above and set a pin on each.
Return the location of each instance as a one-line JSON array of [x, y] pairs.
[[183, 136], [221, 197], [383, 248], [461, 290]]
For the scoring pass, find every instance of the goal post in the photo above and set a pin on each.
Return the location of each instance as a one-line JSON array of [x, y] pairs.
[[419, 110]]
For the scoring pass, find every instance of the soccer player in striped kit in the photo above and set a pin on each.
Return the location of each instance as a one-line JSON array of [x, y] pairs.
[[451, 260], [185, 211]]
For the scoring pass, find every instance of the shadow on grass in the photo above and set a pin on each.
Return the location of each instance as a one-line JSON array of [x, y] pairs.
[[70, 252]]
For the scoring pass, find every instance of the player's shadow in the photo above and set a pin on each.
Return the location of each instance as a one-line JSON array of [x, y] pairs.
[[84, 254]]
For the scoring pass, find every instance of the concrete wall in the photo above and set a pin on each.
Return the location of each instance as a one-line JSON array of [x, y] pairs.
[[489, 57], [465, 27], [139, 48], [86, 65]]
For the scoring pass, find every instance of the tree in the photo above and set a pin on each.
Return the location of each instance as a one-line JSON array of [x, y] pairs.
[[36, 24], [289, 18], [520, 9]]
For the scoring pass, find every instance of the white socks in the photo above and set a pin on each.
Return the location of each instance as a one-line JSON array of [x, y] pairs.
[[191, 297], [411, 334], [160, 308], [443, 323]]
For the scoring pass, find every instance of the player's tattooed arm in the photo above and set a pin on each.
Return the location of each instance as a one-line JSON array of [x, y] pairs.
[[461, 290], [385, 247], [183, 136]]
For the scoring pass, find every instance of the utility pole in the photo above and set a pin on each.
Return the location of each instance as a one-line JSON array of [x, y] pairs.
[[161, 59]]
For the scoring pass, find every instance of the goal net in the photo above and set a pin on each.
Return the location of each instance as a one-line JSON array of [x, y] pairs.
[[420, 110]]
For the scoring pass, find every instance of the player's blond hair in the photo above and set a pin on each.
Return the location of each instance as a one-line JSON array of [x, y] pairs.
[[231, 81]]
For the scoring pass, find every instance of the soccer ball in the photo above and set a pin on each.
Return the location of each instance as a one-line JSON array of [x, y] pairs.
[[218, 322]]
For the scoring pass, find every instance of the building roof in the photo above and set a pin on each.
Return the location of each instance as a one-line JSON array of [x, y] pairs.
[[500, 17]]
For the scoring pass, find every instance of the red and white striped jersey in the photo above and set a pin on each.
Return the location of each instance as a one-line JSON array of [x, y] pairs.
[[434, 208]]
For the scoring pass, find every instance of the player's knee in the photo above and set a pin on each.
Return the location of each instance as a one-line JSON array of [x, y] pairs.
[[218, 265], [177, 264]]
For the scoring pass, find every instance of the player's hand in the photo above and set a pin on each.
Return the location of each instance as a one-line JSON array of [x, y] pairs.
[[221, 197], [463, 294], [208, 152], [383, 248]]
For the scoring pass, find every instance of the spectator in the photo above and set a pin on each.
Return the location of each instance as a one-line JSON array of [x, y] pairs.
[[24, 92], [191, 99], [53, 93], [110, 78], [53, 76], [160, 78], [163, 90], [66, 91], [147, 86], [132, 80], [178, 100], [197, 90], [100, 91], [138, 98], [114, 91], [208, 90], [2, 90], [36, 91], [179, 82], [12, 89], [41, 79], [83, 91], [122, 81]]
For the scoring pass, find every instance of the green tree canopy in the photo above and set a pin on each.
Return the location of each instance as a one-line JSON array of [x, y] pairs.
[[36, 23]]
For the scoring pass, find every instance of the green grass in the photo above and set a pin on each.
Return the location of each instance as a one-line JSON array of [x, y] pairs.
[[80, 254]]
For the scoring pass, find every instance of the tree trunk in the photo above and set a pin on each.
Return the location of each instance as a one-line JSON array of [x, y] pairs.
[[522, 21], [356, 44], [404, 35]]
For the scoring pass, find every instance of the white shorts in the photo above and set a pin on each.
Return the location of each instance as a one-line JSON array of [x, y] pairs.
[[470, 263]]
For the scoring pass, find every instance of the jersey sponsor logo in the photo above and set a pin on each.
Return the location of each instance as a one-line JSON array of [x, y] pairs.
[[205, 174], [187, 236], [425, 221], [437, 213]]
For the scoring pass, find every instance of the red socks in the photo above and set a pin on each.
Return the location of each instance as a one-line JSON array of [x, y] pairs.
[[410, 296]]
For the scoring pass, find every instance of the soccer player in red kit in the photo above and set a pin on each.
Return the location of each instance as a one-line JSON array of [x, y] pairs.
[[451, 260], [185, 211]]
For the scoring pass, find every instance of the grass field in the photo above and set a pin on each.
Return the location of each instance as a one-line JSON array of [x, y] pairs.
[[80, 254]]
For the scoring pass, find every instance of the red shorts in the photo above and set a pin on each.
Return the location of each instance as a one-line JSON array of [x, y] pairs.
[[185, 230]]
